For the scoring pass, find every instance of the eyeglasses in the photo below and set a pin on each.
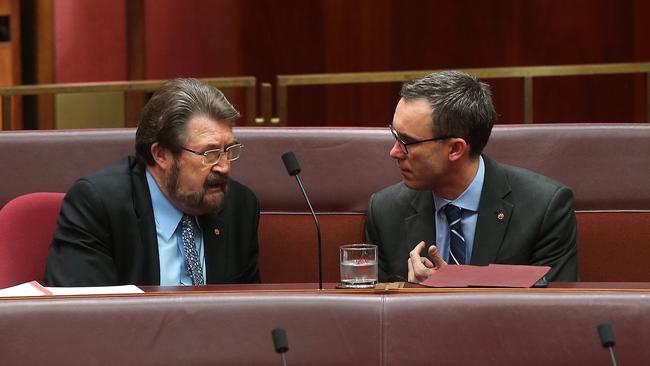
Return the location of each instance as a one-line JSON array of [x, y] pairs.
[[212, 157], [403, 144]]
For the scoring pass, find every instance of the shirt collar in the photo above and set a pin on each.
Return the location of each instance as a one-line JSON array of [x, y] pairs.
[[166, 215], [470, 198]]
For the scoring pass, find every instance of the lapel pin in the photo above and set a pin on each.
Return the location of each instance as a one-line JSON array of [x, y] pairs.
[[217, 232], [500, 216]]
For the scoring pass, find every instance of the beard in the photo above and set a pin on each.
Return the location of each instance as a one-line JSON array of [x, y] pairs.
[[198, 201]]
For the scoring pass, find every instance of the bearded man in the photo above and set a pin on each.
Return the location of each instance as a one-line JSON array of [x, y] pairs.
[[170, 215]]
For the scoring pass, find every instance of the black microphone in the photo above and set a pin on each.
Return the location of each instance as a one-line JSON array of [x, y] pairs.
[[607, 339], [293, 168], [280, 343]]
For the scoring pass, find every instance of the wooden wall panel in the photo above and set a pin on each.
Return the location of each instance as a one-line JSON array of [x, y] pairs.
[[90, 45], [265, 38], [285, 37], [10, 61], [90, 40], [196, 38]]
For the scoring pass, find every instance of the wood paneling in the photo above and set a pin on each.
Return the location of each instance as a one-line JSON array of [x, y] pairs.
[[327, 36], [90, 40], [10, 58], [195, 39], [90, 45], [45, 60], [134, 102], [100, 40]]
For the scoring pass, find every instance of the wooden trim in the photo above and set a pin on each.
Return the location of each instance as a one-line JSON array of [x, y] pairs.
[[5, 8], [6, 112], [647, 97], [266, 97], [526, 72], [528, 99], [486, 73], [135, 59], [118, 86], [248, 82], [251, 107], [281, 102], [45, 61]]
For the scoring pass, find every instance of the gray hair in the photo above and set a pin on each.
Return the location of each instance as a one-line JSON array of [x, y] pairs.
[[462, 106], [166, 114]]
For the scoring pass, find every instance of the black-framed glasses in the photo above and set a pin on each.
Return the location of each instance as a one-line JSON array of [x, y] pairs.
[[404, 145], [212, 157]]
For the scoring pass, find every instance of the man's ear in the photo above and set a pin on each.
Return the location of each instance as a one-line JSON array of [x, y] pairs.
[[161, 156], [458, 148]]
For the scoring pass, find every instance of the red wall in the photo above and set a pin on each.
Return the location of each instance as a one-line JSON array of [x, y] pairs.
[[192, 38], [89, 40], [265, 38]]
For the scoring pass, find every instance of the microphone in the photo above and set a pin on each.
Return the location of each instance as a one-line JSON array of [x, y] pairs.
[[293, 168], [280, 343], [607, 339]]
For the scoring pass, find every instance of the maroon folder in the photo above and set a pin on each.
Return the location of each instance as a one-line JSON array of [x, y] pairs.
[[493, 275]]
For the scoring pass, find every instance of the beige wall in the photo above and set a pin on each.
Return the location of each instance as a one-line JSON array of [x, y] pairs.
[[97, 110]]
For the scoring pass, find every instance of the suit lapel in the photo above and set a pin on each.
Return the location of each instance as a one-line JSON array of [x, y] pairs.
[[146, 250], [215, 238], [421, 224], [494, 215]]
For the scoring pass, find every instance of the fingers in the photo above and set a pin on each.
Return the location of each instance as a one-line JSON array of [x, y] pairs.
[[417, 250], [434, 253], [420, 268], [426, 262], [411, 275]]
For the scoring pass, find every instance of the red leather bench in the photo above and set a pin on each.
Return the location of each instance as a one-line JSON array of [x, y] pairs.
[[486, 327], [605, 164]]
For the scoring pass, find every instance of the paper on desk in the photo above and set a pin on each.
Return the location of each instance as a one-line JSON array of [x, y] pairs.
[[34, 288], [100, 290], [493, 275], [25, 289]]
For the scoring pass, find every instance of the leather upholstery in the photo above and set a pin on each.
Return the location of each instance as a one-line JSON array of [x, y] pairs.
[[606, 165], [26, 227], [495, 327]]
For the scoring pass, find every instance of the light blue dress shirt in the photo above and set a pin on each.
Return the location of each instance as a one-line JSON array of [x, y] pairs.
[[173, 265], [468, 201]]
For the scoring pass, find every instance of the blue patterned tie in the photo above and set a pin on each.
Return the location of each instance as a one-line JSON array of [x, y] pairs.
[[456, 239], [194, 269]]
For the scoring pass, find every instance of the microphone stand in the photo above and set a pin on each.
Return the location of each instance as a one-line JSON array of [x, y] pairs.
[[293, 168], [320, 255]]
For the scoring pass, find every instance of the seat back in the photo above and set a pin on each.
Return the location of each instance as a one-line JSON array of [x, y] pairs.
[[26, 227], [604, 164]]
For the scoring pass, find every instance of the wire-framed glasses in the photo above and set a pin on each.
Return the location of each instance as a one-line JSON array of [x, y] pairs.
[[212, 157]]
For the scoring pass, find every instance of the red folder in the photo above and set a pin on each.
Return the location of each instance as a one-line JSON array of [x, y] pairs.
[[493, 275]]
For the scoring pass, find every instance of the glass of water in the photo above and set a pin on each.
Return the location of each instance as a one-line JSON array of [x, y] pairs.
[[358, 265]]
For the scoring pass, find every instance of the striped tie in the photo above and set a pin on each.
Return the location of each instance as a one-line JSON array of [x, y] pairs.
[[456, 239], [194, 269]]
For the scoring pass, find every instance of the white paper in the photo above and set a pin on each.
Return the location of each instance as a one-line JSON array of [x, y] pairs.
[[101, 290], [33, 288], [24, 289]]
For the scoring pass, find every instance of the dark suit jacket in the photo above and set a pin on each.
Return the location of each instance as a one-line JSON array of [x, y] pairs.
[[538, 225], [106, 233]]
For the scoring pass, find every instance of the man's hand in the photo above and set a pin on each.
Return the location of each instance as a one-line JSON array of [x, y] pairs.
[[421, 268]]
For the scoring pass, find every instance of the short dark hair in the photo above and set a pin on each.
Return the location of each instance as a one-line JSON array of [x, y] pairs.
[[462, 106], [166, 114]]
